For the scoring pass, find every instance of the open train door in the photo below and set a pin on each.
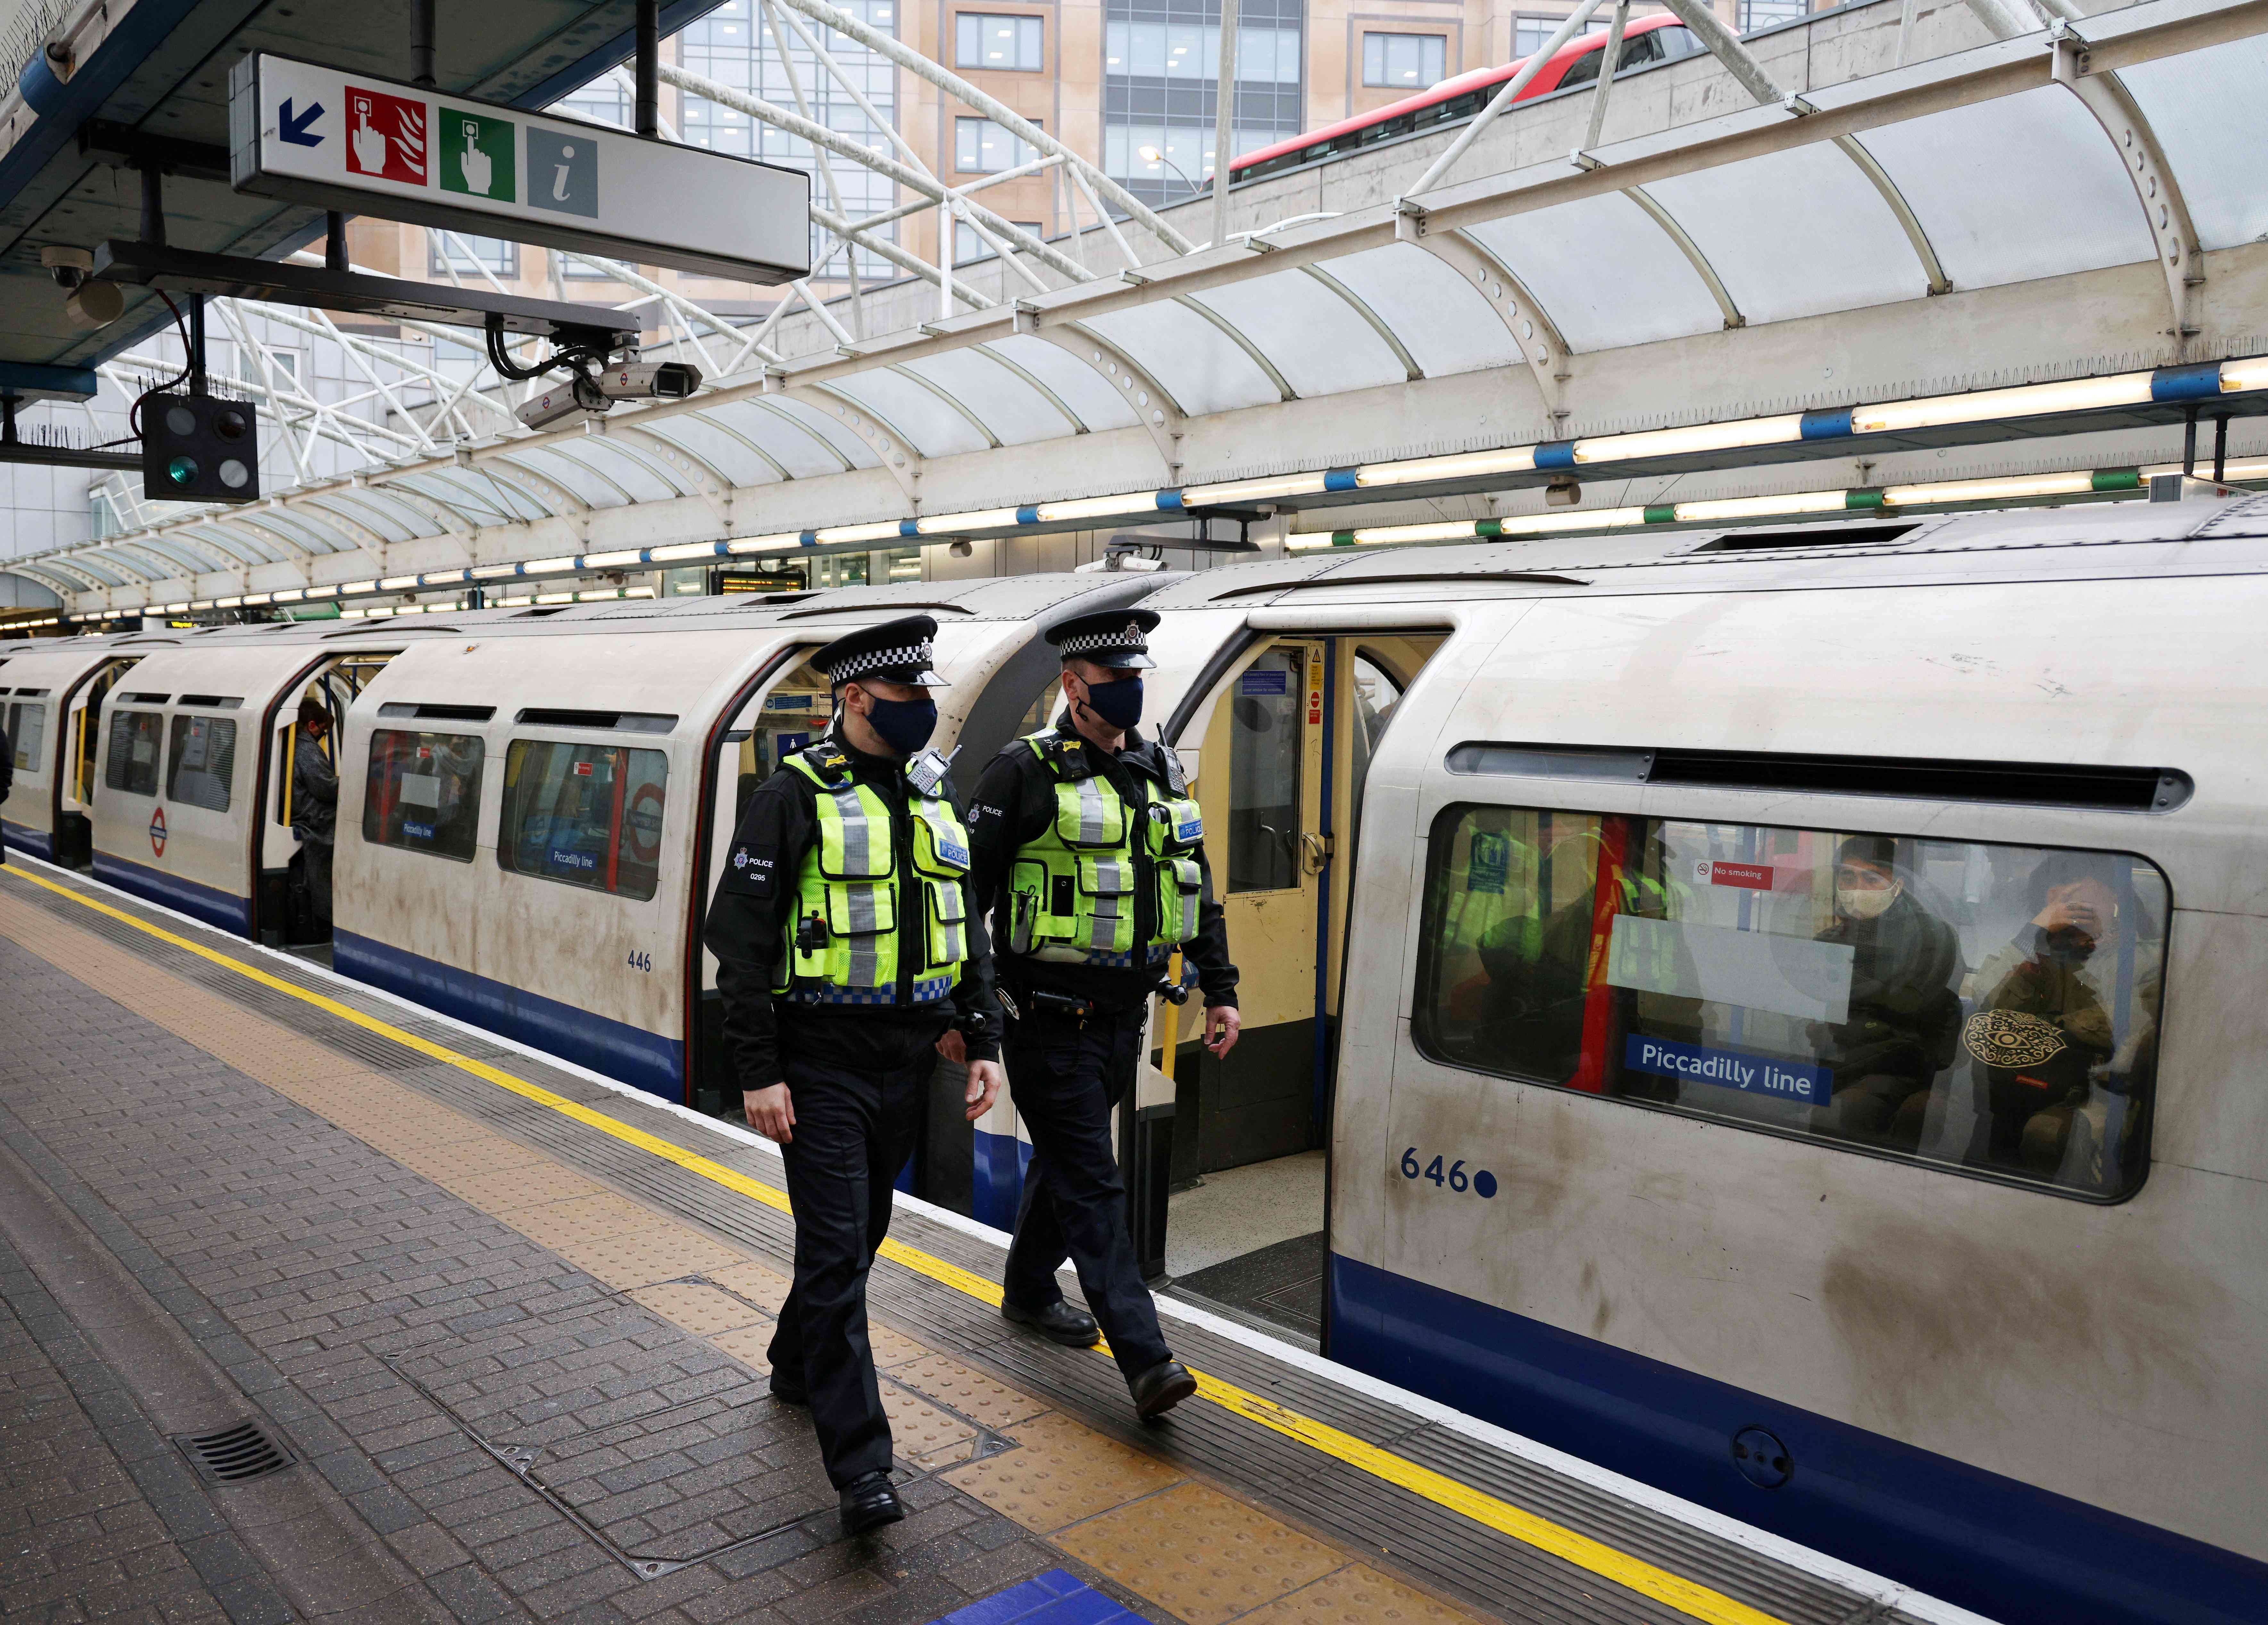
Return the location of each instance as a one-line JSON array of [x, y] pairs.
[[1275, 709]]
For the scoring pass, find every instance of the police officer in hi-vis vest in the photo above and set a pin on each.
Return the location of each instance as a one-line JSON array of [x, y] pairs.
[[1090, 861], [847, 944]]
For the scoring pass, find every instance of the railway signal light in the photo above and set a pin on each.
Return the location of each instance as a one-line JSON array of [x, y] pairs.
[[199, 448]]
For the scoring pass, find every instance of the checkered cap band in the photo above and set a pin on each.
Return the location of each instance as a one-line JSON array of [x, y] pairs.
[[915, 657], [1087, 642]]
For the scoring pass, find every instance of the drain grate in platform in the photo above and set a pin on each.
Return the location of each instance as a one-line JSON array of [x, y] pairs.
[[246, 1450]]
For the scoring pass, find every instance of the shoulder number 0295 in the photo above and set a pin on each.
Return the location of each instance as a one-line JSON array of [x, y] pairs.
[[1454, 1178], [640, 960]]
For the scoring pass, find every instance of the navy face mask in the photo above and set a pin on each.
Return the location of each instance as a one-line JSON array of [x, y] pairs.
[[1119, 704], [904, 726]]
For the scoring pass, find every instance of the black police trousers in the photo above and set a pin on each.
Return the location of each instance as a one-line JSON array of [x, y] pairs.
[[1067, 1078], [853, 1132]]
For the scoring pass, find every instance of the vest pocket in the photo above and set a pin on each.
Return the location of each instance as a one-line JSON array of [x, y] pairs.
[[948, 923], [1107, 888], [1181, 887]]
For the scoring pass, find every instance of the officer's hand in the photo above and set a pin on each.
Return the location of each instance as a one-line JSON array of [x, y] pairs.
[[985, 1079], [1222, 1025], [952, 1047], [771, 1113]]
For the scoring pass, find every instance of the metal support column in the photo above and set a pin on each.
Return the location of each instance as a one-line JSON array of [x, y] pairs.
[[196, 343], [1224, 120], [420, 44], [648, 69], [2220, 449], [334, 240]]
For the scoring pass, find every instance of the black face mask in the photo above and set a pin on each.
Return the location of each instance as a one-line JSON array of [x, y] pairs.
[[904, 726], [1119, 704]]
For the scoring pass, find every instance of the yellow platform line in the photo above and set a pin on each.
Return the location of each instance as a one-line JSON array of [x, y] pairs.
[[1636, 1574]]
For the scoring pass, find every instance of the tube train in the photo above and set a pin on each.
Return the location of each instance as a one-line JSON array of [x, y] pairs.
[[1781, 1004]]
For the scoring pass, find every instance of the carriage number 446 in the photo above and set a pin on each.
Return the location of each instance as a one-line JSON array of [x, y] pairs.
[[640, 960], [1454, 1178]]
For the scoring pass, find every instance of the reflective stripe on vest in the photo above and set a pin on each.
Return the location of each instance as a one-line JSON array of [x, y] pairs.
[[1072, 890]]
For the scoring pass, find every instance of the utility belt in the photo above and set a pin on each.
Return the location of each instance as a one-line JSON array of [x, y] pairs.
[[1028, 1001]]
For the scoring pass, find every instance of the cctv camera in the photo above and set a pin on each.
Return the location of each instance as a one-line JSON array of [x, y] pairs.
[[571, 396], [648, 381], [68, 266]]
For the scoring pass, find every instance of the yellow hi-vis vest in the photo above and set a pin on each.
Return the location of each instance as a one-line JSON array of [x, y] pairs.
[[1072, 890], [867, 928]]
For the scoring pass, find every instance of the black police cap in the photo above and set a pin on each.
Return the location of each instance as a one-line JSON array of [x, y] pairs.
[[1117, 638], [896, 651]]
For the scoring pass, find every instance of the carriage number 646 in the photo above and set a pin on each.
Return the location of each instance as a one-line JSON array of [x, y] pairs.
[[1482, 1184]]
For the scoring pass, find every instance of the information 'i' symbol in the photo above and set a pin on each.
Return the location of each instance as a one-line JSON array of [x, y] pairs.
[[559, 179]]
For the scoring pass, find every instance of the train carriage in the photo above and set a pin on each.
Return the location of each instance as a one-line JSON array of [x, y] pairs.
[[51, 696]]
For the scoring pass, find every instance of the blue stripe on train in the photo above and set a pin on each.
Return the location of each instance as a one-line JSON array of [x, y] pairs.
[[615, 1049], [222, 911], [2017, 1553], [997, 1180], [24, 838]]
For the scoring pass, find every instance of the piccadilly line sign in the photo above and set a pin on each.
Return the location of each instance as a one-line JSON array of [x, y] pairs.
[[337, 140]]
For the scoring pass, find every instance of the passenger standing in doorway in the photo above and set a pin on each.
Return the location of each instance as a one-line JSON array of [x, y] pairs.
[[1089, 860], [847, 944], [315, 808], [7, 778]]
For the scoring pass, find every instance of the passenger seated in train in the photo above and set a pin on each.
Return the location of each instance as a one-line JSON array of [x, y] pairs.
[[1904, 1019], [2042, 1035], [315, 809]]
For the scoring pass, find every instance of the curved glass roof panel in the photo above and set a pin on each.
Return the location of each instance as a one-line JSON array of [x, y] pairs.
[[830, 418], [932, 425], [371, 507], [1318, 341], [706, 435], [803, 450], [592, 486], [2026, 185], [1447, 324], [2211, 123], [640, 469], [1795, 233], [1604, 272], [1200, 366], [1077, 383], [1010, 409]]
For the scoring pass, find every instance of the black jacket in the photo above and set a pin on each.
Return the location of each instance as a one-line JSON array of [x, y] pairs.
[[315, 792], [747, 930], [1015, 800], [7, 779]]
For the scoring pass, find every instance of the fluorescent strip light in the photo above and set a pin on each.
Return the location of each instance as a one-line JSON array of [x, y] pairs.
[[2250, 373], [613, 561], [1100, 507], [555, 598], [290, 595], [546, 566], [683, 550], [258, 598], [609, 594], [1536, 525], [397, 584], [2077, 395], [203, 603], [1686, 442], [352, 614], [1462, 531], [638, 592], [984, 520], [409, 609], [322, 591], [226, 603], [441, 577], [1763, 507], [1988, 491], [493, 572], [515, 603], [172, 609], [352, 588], [779, 543], [878, 531], [1254, 490], [1462, 466]]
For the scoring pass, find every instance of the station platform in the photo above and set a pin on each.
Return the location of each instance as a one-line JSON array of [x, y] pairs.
[[316, 1305]]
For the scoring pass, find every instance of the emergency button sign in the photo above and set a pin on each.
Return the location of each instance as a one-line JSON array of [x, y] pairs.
[[385, 136]]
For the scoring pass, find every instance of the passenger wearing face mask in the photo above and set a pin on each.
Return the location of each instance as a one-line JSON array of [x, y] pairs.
[[1905, 1013], [2041, 1028], [1090, 859], [847, 943]]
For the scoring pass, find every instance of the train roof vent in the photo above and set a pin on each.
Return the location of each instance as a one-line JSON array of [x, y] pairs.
[[624, 721], [1524, 577], [29, 694], [541, 610], [2032, 783], [219, 702], [1810, 536], [437, 713], [149, 699], [899, 608]]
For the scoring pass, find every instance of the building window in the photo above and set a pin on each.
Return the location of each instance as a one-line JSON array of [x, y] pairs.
[[1403, 62], [603, 101], [1161, 61], [980, 147], [1760, 14], [286, 362], [969, 247], [1988, 1009], [1013, 43], [1531, 34], [468, 256], [1265, 56]]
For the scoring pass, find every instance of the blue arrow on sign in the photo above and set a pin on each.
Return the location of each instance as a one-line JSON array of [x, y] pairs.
[[294, 128]]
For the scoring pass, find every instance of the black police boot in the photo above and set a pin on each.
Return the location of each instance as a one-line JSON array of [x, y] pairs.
[[868, 1502], [1160, 1388], [787, 1394], [1058, 1322]]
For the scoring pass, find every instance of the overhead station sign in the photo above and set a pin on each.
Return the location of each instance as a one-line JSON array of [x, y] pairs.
[[346, 141]]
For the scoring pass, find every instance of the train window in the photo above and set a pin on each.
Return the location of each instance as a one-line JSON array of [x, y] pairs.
[[201, 761], [586, 814], [27, 730], [1264, 758], [423, 792], [133, 763], [1990, 1009]]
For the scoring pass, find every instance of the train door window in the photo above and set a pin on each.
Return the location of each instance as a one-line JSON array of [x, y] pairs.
[[132, 766], [28, 731], [1266, 755], [423, 792], [201, 761], [588, 815], [1991, 1009]]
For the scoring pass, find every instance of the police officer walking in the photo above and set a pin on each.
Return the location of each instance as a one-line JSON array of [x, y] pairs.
[[846, 946], [1090, 861]]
